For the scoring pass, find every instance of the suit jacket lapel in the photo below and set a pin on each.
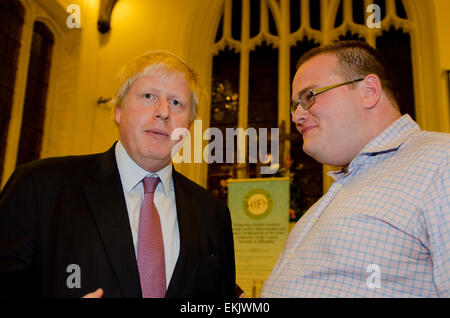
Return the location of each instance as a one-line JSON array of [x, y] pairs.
[[189, 227], [107, 203]]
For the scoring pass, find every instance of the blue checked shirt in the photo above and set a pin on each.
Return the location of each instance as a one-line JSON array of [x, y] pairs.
[[382, 229]]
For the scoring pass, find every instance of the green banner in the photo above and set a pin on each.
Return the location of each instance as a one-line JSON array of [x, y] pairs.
[[260, 216]]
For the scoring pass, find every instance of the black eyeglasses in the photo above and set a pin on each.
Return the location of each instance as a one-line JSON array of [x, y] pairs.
[[307, 97]]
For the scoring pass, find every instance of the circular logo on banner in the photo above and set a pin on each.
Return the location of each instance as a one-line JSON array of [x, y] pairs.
[[258, 203]]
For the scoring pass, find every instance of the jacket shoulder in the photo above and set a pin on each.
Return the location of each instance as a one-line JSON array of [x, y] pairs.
[[53, 168], [62, 166]]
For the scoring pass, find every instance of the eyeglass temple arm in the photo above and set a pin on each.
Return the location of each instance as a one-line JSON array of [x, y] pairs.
[[323, 89]]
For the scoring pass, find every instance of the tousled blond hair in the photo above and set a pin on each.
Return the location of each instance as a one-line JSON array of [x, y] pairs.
[[162, 63]]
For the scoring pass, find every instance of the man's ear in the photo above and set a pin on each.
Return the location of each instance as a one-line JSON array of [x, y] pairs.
[[372, 91], [117, 112]]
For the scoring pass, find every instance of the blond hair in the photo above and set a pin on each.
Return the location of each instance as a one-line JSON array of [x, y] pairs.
[[163, 63]]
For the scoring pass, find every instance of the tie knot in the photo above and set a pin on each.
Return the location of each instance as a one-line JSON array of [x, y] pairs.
[[150, 184]]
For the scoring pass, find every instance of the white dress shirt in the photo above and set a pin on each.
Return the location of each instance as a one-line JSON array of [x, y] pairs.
[[131, 175]]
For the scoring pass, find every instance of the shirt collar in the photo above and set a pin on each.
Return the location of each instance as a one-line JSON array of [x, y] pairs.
[[131, 173], [388, 140], [392, 137]]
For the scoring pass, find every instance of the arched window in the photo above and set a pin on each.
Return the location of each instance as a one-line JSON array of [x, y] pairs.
[[257, 45], [11, 22], [36, 94], [224, 114]]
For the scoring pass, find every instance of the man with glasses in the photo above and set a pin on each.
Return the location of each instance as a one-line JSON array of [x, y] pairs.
[[383, 228]]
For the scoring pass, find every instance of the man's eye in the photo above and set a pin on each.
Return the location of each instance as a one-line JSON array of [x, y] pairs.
[[176, 103], [148, 96]]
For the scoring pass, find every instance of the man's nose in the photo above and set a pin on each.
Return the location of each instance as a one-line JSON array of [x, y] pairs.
[[299, 115], [162, 109]]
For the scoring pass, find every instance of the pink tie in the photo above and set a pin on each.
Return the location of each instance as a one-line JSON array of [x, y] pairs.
[[150, 251]]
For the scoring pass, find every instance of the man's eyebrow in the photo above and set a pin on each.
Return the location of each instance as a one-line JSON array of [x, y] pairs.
[[149, 88], [311, 87]]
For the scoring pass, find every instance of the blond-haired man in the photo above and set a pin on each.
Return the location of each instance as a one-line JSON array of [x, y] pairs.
[[78, 225]]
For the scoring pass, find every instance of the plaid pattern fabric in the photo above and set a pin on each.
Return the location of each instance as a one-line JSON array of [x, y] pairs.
[[382, 229]]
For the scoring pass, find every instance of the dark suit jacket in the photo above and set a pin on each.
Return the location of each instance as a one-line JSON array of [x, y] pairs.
[[71, 210]]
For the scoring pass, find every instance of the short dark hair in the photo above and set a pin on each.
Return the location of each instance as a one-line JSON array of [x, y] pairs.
[[356, 59]]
